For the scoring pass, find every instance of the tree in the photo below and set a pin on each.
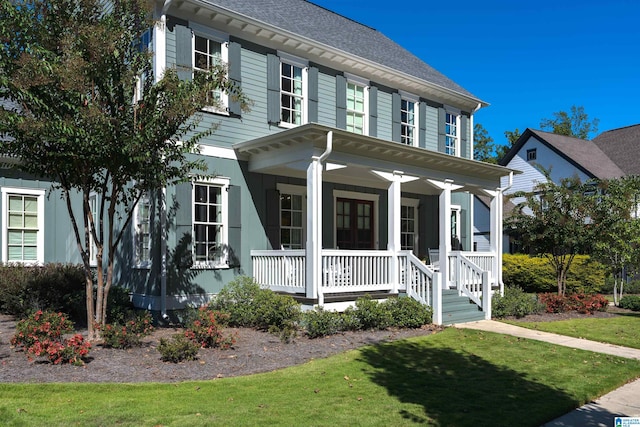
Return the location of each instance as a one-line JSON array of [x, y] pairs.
[[483, 146], [616, 218], [92, 118], [576, 123], [554, 221]]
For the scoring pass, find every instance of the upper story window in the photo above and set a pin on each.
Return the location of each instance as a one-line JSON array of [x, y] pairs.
[[23, 226], [532, 155], [409, 119], [293, 90], [452, 134], [142, 231], [357, 105], [210, 52], [210, 223]]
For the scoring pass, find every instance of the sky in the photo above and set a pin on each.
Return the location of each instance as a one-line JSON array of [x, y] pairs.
[[527, 58]]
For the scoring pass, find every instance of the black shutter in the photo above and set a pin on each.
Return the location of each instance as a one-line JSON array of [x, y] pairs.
[[235, 226], [235, 61], [273, 89], [396, 125], [464, 136], [183, 257], [341, 102], [441, 129], [313, 94], [273, 217], [422, 123], [184, 52], [373, 111]]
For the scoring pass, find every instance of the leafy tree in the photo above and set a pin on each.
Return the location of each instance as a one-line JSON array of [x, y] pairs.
[[554, 221], [483, 146], [73, 67], [616, 218], [574, 123], [512, 137]]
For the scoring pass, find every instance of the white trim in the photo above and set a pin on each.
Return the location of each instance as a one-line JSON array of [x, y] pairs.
[[375, 198], [409, 96], [134, 233], [293, 60], [93, 250], [303, 64], [220, 152], [216, 37], [223, 183], [365, 84], [39, 193], [357, 79]]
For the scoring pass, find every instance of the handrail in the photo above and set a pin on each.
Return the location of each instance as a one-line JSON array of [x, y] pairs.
[[416, 277], [468, 277]]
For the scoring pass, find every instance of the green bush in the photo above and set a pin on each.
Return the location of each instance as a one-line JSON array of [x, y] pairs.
[[179, 348], [237, 298], [535, 274], [630, 302], [372, 314], [52, 287], [321, 323], [408, 313], [515, 302], [127, 334], [120, 309]]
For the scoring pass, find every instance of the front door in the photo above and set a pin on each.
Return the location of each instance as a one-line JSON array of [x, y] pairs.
[[354, 224]]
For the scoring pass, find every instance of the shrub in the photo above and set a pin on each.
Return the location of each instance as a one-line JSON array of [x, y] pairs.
[[178, 349], [42, 335], [554, 303], [582, 303], [408, 313], [205, 329], [350, 320], [52, 287], [372, 314], [630, 302], [321, 323], [237, 298], [515, 302], [120, 309], [128, 334]]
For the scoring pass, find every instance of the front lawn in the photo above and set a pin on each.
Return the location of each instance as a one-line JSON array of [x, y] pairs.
[[454, 378], [621, 330]]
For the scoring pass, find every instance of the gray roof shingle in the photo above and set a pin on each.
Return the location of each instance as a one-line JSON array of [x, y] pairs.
[[329, 28], [623, 147]]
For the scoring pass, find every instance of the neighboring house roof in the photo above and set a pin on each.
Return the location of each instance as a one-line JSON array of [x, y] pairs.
[[507, 205], [623, 147], [331, 29], [583, 154]]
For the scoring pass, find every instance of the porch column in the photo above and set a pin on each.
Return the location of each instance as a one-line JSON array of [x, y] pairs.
[[394, 245], [445, 231], [314, 227], [496, 236]]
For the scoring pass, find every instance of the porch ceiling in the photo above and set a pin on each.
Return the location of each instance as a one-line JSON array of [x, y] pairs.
[[354, 157]]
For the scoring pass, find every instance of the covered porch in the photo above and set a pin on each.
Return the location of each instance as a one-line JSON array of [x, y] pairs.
[[319, 273]]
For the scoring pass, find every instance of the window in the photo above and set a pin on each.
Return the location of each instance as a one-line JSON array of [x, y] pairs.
[[357, 105], [292, 216], [23, 226], [210, 233], [93, 206], [207, 54], [293, 91], [531, 155], [409, 225], [455, 228], [142, 231], [409, 119], [451, 135], [144, 45]]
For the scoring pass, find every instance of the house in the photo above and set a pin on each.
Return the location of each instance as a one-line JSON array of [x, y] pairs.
[[536, 153], [622, 146], [355, 160]]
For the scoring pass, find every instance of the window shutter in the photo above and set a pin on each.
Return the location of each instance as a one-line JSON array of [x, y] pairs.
[[396, 128], [273, 89], [184, 52], [422, 123], [341, 102], [464, 136], [373, 111], [441, 129], [273, 217], [184, 227], [235, 225], [235, 59], [313, 94], [463, 227]]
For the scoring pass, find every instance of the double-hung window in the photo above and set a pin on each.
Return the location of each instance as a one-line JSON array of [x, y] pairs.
[[292, 216], [455, 227], [293, 90], [357, 105], [142, 231], [210, 50], [23, 226], [409, 225], [452, 134], [210, 223], [409, 120]]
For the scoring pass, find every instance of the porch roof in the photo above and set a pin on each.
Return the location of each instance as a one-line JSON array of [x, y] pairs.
[[354, 157]]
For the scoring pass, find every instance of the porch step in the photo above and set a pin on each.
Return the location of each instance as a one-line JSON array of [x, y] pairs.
[[458, 309]]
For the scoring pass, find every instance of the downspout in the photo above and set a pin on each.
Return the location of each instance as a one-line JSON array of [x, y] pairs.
[[329, 148]]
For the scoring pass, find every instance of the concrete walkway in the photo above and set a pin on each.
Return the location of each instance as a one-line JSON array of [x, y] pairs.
[[622, 402]]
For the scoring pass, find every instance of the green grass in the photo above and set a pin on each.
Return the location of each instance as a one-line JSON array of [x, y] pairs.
[[622, 330], [454, 378]]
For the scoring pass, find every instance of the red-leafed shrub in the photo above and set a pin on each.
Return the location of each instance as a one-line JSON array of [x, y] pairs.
[[554, 303], [205, 328], [127, 334], [582, 303]]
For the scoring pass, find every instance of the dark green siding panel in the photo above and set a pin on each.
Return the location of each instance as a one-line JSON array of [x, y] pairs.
[[341, 102], [431, 127], [396, 128], [464, 136], [326, 100], [441, 129], [184, 53], [235, 225], [235, 75], [422, 125], [313, 94], [373, 111], [273, 89], [272, 207]]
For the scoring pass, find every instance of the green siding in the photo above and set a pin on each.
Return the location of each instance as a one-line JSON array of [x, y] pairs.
[[431, 125], [327, 100], [384, 115]]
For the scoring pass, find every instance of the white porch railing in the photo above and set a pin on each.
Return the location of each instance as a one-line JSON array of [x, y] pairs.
[[415, 277], [282, 270], [355, 271], [472, 280]]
